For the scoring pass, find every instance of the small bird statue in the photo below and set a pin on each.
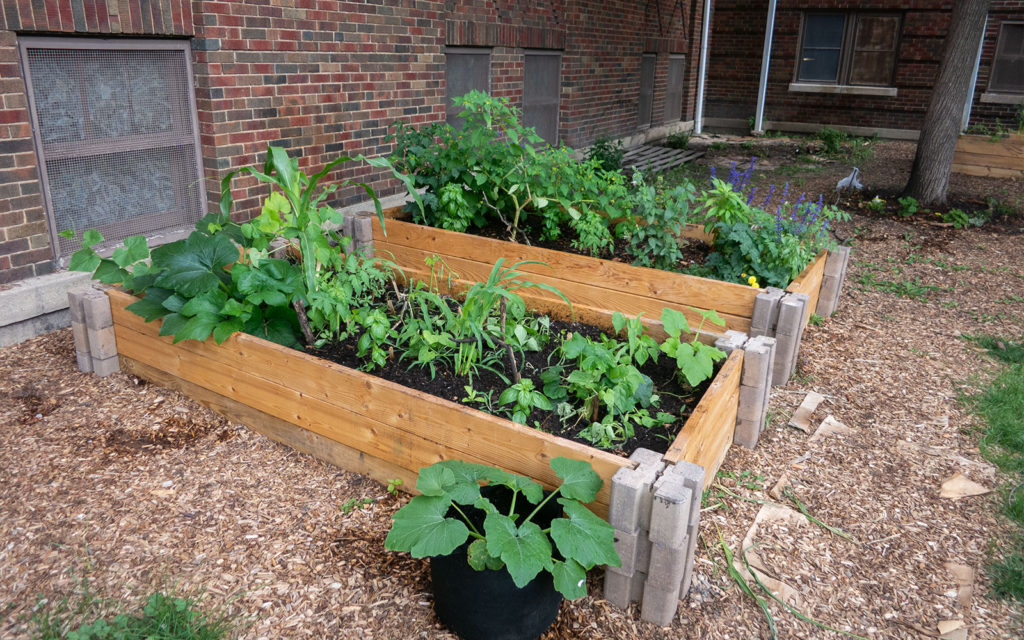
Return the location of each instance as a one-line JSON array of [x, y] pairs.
[[850, 181]]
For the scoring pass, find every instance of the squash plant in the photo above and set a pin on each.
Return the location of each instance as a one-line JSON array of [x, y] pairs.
[[439, 520]]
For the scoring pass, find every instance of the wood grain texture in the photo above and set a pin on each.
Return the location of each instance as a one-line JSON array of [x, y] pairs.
[[809, 282], [983, 156]]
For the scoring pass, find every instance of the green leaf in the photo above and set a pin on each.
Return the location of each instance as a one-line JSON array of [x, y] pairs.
[[210, 303], [173, 322], [674, 322], [579, 480], [108, 272], [151, 307], [458, 479], [91, 237], [85, 259], [479, 559], [435, 480], [135, 248], [226, 329], [583, 537], [195, 265], [525, 550], [422, 529], [570, 579], [618, 321], [508, 396], [198, 327]]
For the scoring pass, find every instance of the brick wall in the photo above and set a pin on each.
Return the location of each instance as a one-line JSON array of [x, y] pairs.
[[735, 58], [25, 249], [324, 78]]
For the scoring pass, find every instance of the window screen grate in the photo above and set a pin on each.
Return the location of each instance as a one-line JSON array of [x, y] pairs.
[[674, 91], [1008, 65], [645, 103], [464, 71], [542, 90], [115, 133]]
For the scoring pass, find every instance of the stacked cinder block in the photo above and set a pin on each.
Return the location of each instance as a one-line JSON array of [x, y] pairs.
[[359, 227], [781, 314], [755, 383], [655, 509], [832, 282], [93, 328]]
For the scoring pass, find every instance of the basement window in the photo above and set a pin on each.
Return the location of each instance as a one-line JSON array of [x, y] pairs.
[[465, 69], [854, 48], [645, 103], [542, 89], [115, 129], [1008, 65], [674, 90]]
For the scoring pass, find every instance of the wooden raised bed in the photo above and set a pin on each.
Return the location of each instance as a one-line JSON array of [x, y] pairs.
[[597, 287], [379, 428], [990, 157]]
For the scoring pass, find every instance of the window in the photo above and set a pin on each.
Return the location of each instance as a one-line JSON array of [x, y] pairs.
[[464, 71], [646, 101], [116, 134], [542, 88], [674, 91], [1008, 66], [848, 48]]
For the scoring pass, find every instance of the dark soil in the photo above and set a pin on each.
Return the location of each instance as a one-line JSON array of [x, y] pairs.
[[676, 399]]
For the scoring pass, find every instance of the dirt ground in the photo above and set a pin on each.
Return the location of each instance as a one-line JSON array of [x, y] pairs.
[[137, 488]]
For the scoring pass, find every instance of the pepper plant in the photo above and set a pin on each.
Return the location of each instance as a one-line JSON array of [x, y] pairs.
[[440, 520]]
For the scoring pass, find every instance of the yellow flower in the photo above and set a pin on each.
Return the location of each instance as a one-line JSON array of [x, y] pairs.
[[752, 281]]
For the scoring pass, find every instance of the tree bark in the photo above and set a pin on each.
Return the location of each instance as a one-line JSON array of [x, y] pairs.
[[929, 179]]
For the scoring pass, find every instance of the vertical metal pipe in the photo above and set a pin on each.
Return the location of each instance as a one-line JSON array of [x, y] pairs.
[[766, 55], [698, 116], [969, 104]]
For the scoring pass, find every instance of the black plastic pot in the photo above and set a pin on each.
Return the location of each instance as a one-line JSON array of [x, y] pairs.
[[487, 605]]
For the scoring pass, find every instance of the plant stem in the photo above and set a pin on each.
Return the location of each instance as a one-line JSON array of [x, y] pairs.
[[542, 503], [508, 349], [472, 530], [300, 310]]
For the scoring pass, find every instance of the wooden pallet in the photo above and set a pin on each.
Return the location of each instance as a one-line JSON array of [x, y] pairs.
[[650, 158]]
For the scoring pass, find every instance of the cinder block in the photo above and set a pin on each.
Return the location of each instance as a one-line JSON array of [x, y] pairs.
[[766, 312], [106, 366], [620, 589], [785, 357], [845, 252], [102, 343], [630, 501], [96, 306], [731, 341], [81, 335], [757, 355], [670, 511], [828, 296], [668, 565], [691, 550], [634, 550], [835, 261], [659, 605], [792, 312], [76, 298], [84, 361], [747, 433], [751, 403], [362, 230]]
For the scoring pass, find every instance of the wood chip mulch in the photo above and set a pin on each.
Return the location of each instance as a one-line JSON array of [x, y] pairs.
[[139, 488]]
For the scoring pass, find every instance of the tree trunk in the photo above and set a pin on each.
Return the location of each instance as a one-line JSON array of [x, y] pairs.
[[933, 162]]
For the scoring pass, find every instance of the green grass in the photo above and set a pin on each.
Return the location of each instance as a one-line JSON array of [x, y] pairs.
[[913, 290], [1000, 405], [85, 616]]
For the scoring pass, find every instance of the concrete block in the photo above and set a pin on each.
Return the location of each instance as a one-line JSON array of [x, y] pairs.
[[751, 403], [766, 312], [84, 361], [659, 605], [621, 589], [785, 358], [757, 355], [630, 502], [106, 366], [828, 296], [668, 566], [731, 341], [102, 343], [634, 550], [81, 335], [34, 297], [835, 261], [362, 230], [792, 311], [845, 252], [670, 511], [346, 229], [97, 310], [747, 433], [76, 299]]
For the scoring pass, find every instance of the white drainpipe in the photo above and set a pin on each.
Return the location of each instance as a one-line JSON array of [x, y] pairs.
[[974, 82], [698, 116], [762, 87]]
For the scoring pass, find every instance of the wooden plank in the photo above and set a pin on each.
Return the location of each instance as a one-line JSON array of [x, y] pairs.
[[987, 172], [591, 304], [282, 431], [707, 435], [809, 282], [382, 418], [981, 160], [1009, 147], [726, 297]]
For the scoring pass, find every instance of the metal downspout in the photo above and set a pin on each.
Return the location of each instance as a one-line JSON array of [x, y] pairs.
[[698, 116], [974, 82], [762, 87]]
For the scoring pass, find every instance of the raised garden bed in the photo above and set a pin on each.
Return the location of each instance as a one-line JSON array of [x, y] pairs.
[[599, 287], [988, 156], [379, 428]]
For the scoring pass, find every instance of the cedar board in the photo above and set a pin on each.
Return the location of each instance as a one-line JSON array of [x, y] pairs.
[[985, 156], [363, 423]]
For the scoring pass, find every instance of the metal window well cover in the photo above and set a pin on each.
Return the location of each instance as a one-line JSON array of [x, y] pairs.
[[115, 131]]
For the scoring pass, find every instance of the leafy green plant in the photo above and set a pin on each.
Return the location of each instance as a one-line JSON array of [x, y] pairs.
[[678, 140], [524, 397], [607, 154], [653, 231], [908, 206], [877, 204], [832, 140], [451, 510], [694, 359]]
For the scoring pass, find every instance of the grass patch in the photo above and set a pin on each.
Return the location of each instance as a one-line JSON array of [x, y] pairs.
[[163, 616], [1000, 405], [903, 288]]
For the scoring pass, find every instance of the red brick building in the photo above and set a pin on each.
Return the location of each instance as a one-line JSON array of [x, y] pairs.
[[864, 66], [125, 114]]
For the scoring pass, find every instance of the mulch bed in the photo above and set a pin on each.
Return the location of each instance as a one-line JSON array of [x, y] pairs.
[[139, 488]]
